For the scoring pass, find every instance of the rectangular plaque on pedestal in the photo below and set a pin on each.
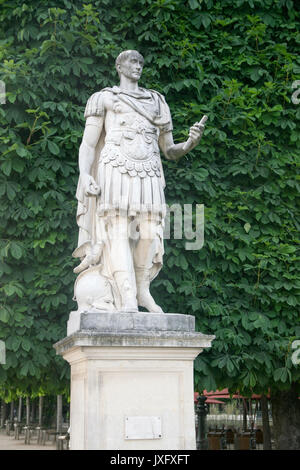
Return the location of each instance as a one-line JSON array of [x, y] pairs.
[[143, 427]]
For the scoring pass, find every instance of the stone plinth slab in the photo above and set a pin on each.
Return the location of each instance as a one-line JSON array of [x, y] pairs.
[[113, 322], [129, 371]]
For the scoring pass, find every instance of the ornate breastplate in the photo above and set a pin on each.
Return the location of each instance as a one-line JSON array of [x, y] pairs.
[[134, 150]]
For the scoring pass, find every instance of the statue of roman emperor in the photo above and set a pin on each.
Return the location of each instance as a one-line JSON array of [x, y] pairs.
[[121, 203]]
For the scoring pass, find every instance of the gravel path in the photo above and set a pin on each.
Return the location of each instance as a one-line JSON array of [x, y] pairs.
[[10, 443]]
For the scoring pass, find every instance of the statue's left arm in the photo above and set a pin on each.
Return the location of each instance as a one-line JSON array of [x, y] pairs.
[[174, 151]]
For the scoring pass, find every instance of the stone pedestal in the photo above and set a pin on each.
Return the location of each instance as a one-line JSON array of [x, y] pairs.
[[132, 380]]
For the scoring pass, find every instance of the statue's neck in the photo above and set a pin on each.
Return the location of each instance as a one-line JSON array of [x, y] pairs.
[[128, 85]]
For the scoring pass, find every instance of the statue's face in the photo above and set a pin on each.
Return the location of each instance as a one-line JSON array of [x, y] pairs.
[[132, 67]]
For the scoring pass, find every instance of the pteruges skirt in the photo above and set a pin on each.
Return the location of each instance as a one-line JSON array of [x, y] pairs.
[[131, 188]]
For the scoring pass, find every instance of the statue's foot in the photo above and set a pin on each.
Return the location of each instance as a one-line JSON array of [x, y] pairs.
[[146, 300], [127, 293], [129, 304], [129, 308]]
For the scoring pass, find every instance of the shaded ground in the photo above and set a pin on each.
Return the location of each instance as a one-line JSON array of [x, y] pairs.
[[10, 443]]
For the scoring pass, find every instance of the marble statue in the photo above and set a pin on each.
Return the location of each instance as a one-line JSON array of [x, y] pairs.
[[120, 193]]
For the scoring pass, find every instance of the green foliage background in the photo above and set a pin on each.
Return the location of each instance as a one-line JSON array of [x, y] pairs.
[[234, 60]]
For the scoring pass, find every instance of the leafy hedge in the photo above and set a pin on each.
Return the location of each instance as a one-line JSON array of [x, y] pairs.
[[233, 60]]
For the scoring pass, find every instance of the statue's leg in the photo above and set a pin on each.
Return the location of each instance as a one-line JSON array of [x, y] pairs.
[[143, 258], [121, 262]]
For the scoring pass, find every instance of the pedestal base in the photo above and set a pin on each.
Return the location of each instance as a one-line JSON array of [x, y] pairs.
[[132, 380]]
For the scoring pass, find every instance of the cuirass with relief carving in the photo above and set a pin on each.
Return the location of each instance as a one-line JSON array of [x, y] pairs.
[[132, 146]]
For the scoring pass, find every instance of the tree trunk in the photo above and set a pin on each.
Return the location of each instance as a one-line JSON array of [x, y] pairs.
[[286, 419], [27, 411], [41, 411], [3, 413], [12, 404], [20, 410], [244, 415], [59, 414], [33, 410], [266, 423], [251, 421]]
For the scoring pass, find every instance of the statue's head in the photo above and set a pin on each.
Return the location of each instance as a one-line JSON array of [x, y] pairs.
[[130, 63]]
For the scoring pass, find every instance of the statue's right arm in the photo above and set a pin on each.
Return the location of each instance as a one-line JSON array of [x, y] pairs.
[[92, 132]]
